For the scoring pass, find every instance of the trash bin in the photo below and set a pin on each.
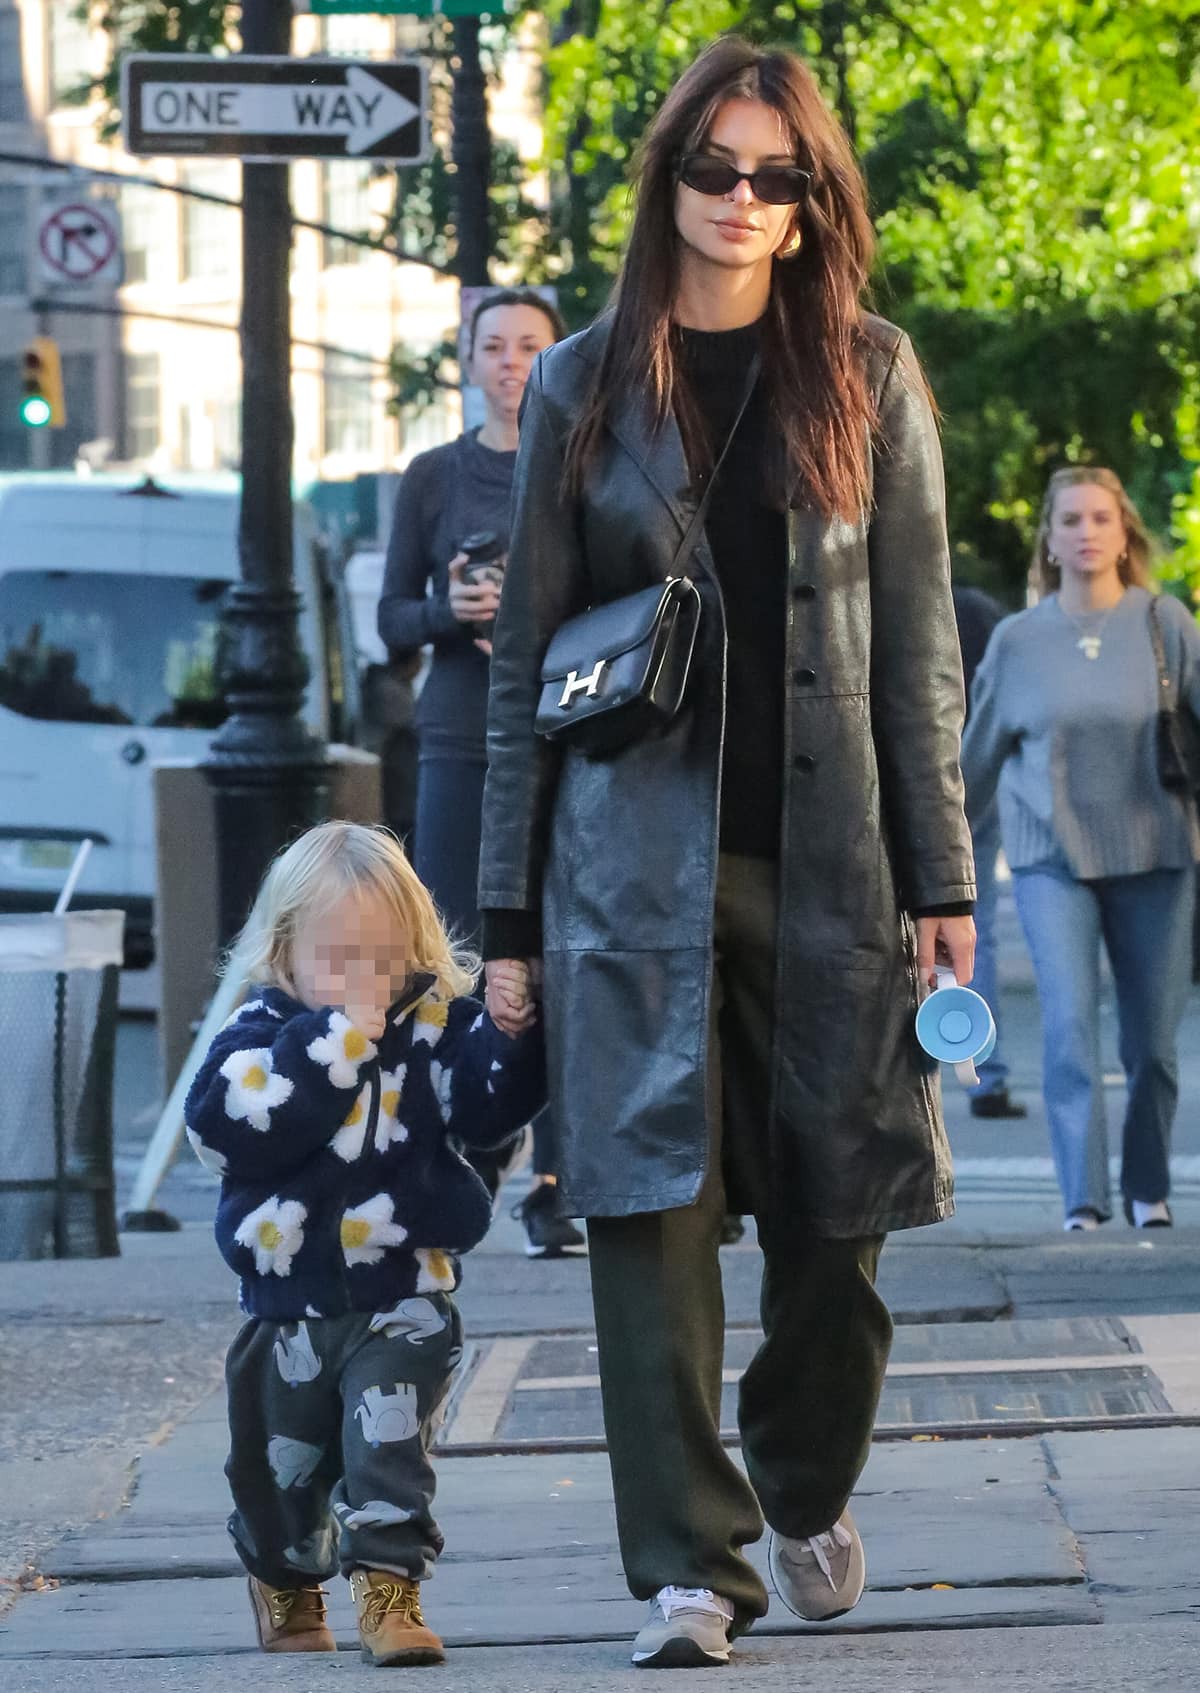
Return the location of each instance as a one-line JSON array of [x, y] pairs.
[[58, 1024]]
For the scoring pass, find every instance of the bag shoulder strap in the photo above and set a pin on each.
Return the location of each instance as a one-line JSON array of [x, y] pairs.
[[692, 534], [1167, 696]]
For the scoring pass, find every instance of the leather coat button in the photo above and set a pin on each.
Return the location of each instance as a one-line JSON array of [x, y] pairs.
[[804, 678], [804, 762], [804, 591]]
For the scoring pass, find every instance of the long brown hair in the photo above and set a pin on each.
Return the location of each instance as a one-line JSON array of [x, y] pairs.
[[1136, 567], [820, 405]]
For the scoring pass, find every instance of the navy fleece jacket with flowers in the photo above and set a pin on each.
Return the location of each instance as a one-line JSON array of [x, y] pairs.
[[341, 1189]]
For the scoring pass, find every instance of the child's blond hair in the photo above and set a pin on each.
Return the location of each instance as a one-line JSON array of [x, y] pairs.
[[309, 877]]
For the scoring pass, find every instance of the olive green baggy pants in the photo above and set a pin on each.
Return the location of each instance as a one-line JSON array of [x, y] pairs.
[[808, 1399]]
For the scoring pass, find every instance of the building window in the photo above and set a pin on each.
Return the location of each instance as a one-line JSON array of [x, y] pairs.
[[69, 51], [79, 398], [14, 437], [352, 35], [13, 105], [14, 240], [210, 231], [348, 408], [144, 213], [346, 193], [142, 400], [410, 36]]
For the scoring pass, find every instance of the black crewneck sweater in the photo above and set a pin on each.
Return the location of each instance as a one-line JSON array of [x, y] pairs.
[[748, 539]]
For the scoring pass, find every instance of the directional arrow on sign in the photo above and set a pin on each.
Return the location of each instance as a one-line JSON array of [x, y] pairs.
[[364, 111], [256, 107]]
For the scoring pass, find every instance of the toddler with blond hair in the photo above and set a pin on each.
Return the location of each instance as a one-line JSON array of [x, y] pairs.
[[331, 1105]]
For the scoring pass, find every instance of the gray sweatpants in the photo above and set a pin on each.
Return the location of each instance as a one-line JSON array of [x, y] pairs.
[[330, 1427]]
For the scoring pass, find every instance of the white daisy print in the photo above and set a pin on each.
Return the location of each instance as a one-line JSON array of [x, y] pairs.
[[441, 1080], [348, 1142], [368, 1228], [254, 1089], [431, 1018], [274, 1233], [214, 1162], [389, 1128], [344, 1050], [435, 1272]]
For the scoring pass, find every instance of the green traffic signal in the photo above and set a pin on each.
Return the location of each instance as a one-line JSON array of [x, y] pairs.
[[35, 411]]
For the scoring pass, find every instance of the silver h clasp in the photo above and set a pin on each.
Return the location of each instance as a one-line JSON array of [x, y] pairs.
[[577, 684]]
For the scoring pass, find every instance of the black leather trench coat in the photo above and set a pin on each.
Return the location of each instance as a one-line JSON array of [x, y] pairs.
[[621, 856]]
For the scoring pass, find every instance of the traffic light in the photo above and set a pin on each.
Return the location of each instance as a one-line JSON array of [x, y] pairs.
[[42, 404]]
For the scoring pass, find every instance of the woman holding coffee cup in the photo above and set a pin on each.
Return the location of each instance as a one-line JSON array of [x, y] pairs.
[[441, 587]]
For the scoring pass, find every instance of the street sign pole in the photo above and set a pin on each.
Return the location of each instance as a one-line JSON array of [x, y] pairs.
[[266, 768], [472, 151]]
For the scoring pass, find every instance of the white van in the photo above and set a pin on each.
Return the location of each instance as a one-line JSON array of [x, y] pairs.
[[109, 598]]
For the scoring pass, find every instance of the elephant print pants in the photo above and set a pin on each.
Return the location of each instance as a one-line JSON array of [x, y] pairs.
[[330, 1423]]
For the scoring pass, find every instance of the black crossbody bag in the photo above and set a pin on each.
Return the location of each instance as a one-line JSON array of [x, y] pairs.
[[1177, 744], [617, 672]]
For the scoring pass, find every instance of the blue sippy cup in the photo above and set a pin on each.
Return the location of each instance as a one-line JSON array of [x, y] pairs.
[[955, 1025]]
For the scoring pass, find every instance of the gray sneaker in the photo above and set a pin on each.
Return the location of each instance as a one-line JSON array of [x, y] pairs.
[[687, 1628], [822, 1577]]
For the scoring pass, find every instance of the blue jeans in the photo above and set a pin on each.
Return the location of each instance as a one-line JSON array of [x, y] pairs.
[[1145, 923], [993, 1073]]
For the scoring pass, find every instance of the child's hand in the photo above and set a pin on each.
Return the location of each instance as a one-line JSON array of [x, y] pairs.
[[368, 1020], [510, 1001]]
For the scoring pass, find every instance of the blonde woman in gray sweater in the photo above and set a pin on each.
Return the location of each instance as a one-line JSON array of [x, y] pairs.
[[1063, 718]]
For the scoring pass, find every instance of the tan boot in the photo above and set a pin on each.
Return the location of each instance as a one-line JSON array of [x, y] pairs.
[[290, 1619], [390, 1623]]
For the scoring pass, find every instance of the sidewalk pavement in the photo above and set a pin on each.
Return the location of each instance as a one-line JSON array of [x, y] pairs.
[[1028, 1510], [1081, 1516]]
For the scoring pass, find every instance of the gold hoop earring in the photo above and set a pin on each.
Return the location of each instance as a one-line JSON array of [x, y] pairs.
[[792, 249]]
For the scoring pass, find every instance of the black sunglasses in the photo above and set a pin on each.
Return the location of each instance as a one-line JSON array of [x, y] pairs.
[[774, 185]]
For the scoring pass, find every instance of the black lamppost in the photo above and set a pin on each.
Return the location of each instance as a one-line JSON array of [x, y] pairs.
[[266, 767], [471, 149]]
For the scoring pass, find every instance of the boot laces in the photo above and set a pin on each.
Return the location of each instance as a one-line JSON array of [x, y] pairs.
[[387, 1596], [282, 1601]]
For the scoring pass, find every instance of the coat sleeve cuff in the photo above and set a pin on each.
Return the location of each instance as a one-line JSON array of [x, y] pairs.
[[952, 908], [511, 934]]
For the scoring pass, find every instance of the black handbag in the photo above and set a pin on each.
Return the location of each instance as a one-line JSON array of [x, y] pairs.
[[1177, 736], [618, 671]]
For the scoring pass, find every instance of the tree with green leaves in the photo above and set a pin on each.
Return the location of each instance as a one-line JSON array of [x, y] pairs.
[[1033, 166]]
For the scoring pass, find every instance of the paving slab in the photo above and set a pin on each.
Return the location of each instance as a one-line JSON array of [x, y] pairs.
[[959, 1537], [1140, 1558], [1160, 1658]]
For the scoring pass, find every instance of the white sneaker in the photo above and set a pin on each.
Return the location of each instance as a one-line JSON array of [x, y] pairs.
[[1081, 1220], [687, 1628], [821, 1577]]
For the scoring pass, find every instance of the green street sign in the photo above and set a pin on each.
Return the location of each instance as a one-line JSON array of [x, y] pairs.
[[406, 8]]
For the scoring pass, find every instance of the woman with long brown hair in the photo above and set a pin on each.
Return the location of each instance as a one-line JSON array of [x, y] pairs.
[[734, 914], [1064, 719]]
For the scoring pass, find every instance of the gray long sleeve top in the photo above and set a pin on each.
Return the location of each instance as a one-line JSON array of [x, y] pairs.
[[1071, 740]]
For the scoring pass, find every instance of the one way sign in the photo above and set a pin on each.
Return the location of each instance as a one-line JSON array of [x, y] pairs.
[[254, 107]]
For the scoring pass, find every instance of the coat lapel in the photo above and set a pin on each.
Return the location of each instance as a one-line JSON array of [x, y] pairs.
[[658, 453]]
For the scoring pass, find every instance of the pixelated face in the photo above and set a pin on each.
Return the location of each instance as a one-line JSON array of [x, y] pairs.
[[354, 955]]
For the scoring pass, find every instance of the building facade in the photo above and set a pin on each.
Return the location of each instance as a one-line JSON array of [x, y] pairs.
[[150, 365]]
